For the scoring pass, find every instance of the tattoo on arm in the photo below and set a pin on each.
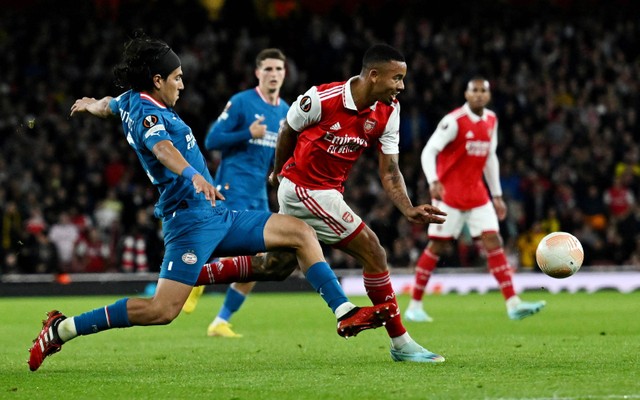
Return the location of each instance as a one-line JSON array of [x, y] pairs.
[[393, 182]]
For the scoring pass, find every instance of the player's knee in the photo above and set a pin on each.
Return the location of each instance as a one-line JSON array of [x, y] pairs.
[[307, 235], [437, 246], [164, 314], [376, 248], [491, 241]]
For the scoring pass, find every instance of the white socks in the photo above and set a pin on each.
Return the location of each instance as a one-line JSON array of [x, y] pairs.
[[218, 321], [67, 330], [415, 305], [398, 342], [343, 309], [513, 302]]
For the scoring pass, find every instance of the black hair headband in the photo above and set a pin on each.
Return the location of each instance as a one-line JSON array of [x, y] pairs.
[[165, 64]]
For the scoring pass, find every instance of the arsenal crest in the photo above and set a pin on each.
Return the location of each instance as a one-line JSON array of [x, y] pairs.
[[369, 124], [347, 217]]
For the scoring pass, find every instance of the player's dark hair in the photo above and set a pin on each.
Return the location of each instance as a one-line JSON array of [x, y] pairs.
[[270, 53], [380, 53], [142, 58]]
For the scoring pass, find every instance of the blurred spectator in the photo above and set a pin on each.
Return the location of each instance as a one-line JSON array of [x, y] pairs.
[[91, 253], [39, 255], [36, 223], [114, 170], [108, 211], [142, 248], [619, 198], [564, 84], [550, 223], [63, 234], [12, 234], [527, 244], [594, 208], [81, 220]]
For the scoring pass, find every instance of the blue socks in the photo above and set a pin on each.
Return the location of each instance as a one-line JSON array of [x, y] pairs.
[[100, 319], [324, 281], [232, 303]]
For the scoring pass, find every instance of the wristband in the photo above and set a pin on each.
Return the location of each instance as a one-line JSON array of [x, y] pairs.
[[189, 172]]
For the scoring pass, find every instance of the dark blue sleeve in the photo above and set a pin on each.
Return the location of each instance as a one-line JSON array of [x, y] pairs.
[[229, 129]]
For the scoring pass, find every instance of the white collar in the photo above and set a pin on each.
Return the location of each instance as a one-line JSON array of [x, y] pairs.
[[347, 96], [473, 116]]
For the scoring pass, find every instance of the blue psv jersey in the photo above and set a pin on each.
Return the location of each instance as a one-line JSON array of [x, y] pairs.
[[241, 175], [146, 122]]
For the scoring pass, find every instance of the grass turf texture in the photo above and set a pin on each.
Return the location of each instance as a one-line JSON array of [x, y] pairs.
[[582, 346]]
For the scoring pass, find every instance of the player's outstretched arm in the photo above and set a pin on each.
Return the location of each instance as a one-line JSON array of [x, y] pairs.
[[99, 108], [393, 183]]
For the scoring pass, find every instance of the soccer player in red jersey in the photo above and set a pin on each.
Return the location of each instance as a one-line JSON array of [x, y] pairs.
[[327, 129], [462, 151]]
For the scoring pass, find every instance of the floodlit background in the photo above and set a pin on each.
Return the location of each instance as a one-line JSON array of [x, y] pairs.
[[564, 77]]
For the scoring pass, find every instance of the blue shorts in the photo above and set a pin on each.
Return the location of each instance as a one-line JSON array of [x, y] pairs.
[[195, 234]]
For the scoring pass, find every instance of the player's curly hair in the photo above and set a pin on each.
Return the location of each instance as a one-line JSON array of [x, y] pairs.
[[139, 55]]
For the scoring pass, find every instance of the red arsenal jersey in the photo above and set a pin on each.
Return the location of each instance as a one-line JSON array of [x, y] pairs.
[[460, 150], [333, 134]]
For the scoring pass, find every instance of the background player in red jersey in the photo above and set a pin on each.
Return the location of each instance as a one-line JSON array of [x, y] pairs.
[[459, 153], [326, 131]]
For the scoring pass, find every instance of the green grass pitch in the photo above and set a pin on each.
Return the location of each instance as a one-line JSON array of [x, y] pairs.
[[581, 346]]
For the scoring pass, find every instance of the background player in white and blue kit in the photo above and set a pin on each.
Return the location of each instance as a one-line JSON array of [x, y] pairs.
[[245, 134], [194, 226]]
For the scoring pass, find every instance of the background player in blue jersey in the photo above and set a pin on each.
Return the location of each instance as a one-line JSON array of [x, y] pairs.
[[194, 226], [245, 133]]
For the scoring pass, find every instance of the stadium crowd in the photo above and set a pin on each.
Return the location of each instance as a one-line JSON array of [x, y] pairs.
[[565, 87]]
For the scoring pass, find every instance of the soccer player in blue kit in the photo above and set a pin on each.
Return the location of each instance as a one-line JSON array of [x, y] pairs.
[[245, 133], [195, 227]]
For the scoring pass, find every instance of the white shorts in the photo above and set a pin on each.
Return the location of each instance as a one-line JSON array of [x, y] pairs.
[[479, 220], [324, 210]]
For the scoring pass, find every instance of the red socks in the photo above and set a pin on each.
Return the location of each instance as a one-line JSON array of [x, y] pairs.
[[380, 291], [424, 267], [499, 267], [228, 270], [496, 260]]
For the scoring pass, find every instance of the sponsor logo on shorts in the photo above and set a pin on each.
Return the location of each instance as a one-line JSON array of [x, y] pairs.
[[149, 121], [189, 258], [305, 103], [347, 217]]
